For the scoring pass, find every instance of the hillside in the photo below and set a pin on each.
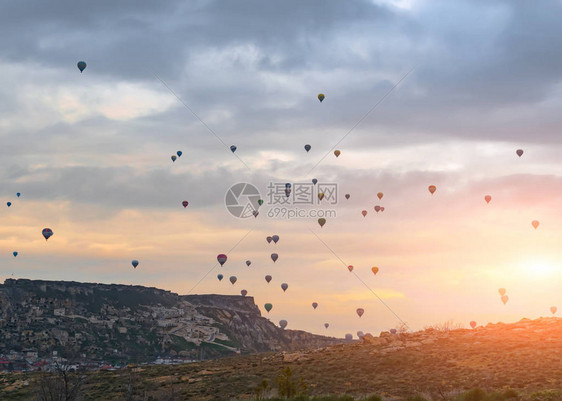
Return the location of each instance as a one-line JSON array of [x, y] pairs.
[[91, 323]]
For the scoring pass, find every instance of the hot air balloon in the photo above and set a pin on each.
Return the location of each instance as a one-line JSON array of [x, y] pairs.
[[268, 278], [380, 195], [349, 337], [282, 323], [377, 208], [248, 263], [81, 66], [220, 276], [287, 192], [307, 147], [15, 254], [347, 196], [432, 189], [321, 97], [185, 203], [255, 213], [268, 307], [275, 238], [221, 258], [553, 309], [350, 268], [487, 198], [315, 305], [502, 291], [393, 331], [173, 157], [179, 153], [364, 213], [47, 233], [535, 224], [9, 204], [360, 311], [284, 286], [135, 263], [505, 298], [260, 202], [360, 334], [382, 208], [326, 325], [233, 148], [473, 324], [244, 293], [233, 279], [519, 152], [274, 257], [288, 185], [375, 270], [337, 153], [320, 195], [314, 181], [321, 221], [18, 194], [269, 239]]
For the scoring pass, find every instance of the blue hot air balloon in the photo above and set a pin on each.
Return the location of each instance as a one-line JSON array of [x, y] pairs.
[[15, 254], [307, 147], [220, 276], [233, 148], [135, 263], [9, 204], [179, 153], [47, 233], [314, 181], [81, 66], [174, 158], [18, 194]]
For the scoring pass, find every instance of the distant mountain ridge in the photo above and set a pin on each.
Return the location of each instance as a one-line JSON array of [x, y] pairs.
[[122, 323]]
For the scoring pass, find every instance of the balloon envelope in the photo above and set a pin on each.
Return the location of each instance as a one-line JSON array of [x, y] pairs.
[[244, 293], [179, 153], [15, 254], [274, 257], [275, 238], [349, 336], [505, 298], [320, 195], [9, 204], [135, 263], [81, 65], [284, 286], [268, 307], [269, 239], [268, 278], [502, 291], [221, 258], [233, 279], [375, 270], [360, 311], [337, 153], [185, 203], [377, 208], [487, 198], [233, 148], [248, 262], [314, 181], [393, 331], [282, 323], [553, 309], [432, 189], [47, 233], [321, 221], [473, 324], [315, 305], [535, 224], [307, 147], [380, 195], [18, 194], [173, 158], [364, 213], [519, 152], [326, 325], [350, 268], [321, 97], [360, 334], [347, 196], [220, 276]]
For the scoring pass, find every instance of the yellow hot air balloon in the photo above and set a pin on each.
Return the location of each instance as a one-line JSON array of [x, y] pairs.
[[380, 195], [337, 153], [321, 221], [535, 223], [432, 189], [375, 270], [321, 97], [320, 195], [502, 291]]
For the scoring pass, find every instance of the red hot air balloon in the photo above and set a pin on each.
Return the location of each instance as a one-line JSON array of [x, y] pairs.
[[380, 195], [432, 189], [221, 258], [185, 203], [360, 311], [364, 213], [350, 268], [377, 208], [47, 233], [244, 293], [473, 324], [487, 198]]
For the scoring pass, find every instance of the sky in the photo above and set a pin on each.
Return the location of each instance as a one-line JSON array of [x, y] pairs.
[[417, 93]]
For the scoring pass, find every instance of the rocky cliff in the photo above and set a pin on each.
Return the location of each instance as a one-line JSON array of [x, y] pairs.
[[123, 323]]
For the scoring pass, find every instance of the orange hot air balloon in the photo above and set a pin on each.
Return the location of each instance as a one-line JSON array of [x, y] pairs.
[[487, 198], [505, 298], [375, 270], [535, 224], [350, 268], [432, 189], [364, 213], [473, 324], [380, 195], [553, 309], [321, 221], [337, 153], [502, 291]]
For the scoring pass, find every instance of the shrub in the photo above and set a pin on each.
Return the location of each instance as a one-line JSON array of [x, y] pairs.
[[475, 394], [374, 397], [417, 397]]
